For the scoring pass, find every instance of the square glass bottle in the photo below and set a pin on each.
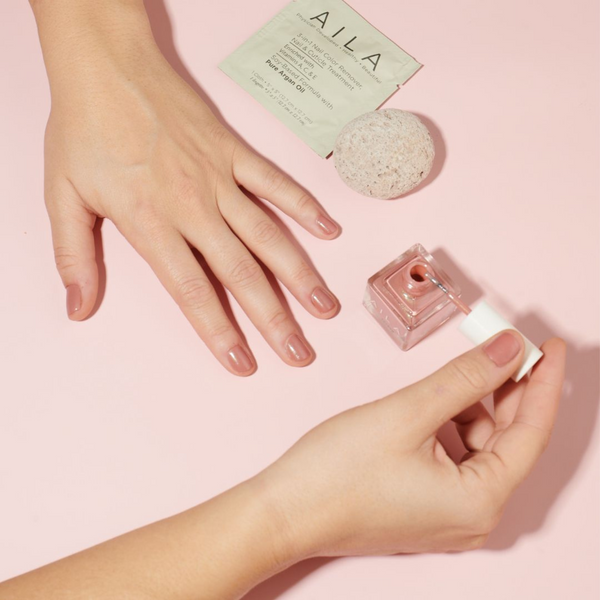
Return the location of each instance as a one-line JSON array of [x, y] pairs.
[[405, 302]]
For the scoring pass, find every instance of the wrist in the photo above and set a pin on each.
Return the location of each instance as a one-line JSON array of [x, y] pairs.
[[240, 532], [295, 531], [269, 508], [79, 37]]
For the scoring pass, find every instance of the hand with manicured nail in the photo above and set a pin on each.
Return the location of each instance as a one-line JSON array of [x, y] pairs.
[[129, 140], [377, 480], [372, 480]]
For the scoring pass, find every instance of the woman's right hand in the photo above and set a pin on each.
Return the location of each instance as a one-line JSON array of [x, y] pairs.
[[376, 479]]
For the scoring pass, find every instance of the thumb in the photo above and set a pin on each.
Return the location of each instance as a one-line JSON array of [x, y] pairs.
[[74, 248], [465, 380]]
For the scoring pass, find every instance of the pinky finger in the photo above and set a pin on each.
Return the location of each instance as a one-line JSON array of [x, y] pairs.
[[74, 247], [268, 182]]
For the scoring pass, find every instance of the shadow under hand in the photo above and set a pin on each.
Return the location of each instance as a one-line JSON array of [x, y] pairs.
[[220, 291], [531, 503], [162, 30], [99, 249], [575, 423]]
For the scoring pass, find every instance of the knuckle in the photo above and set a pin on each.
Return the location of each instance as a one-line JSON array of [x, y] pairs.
[[185, 188], [239, 154], [217, 134], [303, 273], [219, 330], [468, 374], [266, 233], [276, 320], [246, 272], [304, 202], [195, 293], [275, 180], [140, 216], [542, 435], [64, 258]]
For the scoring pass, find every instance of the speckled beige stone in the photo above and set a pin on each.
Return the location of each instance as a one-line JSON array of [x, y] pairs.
[[384, 153]]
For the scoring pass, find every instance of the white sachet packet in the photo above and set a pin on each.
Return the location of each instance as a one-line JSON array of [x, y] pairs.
[[316, 66]]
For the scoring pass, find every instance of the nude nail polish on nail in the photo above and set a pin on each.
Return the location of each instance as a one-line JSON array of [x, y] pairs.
[[239, 360], [73, 299], [503, 349], [483, 322], [322, 300], [327, 225], [296, 348]]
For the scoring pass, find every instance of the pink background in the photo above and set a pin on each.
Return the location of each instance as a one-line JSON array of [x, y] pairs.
[[126, 418]]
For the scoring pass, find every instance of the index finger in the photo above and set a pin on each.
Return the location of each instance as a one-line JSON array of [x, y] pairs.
[[522, 443], [268, 182]]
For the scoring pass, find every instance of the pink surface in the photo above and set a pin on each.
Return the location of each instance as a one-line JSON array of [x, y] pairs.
[[115, 422]]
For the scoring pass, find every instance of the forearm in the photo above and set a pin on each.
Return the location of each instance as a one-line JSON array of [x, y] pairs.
[[218, 550]]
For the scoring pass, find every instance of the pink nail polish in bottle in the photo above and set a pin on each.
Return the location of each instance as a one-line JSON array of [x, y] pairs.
[[405, 302], [413, 295]]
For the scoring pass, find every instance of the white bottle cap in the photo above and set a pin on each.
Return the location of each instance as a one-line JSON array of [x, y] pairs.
[[483, 322]]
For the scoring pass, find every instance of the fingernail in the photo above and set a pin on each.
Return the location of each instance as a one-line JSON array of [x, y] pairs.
[[296, 348], [239, 360], [327, 225], [73, 299], [503, 349], [323, 300]]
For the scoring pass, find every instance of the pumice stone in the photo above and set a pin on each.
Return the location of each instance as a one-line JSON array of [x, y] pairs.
[[384, 153]]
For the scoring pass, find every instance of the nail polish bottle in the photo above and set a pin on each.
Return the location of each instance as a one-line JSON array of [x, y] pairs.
[[404, 302], [413, 296]]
